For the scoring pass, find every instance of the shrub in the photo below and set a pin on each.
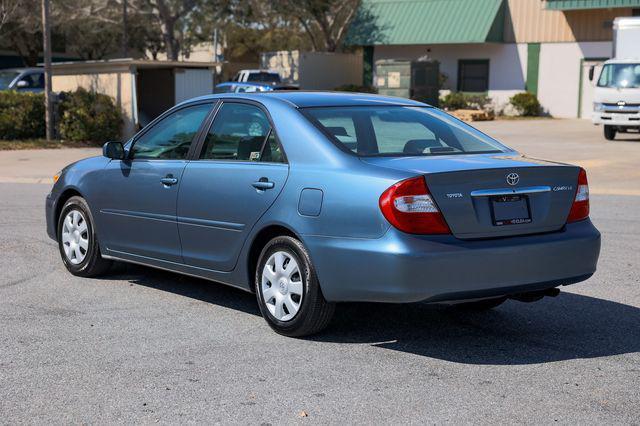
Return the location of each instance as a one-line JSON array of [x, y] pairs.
[[459, 100], [21, 115], [525, 103], [89, 116], [453, 101], [481, 102], [356, 88]]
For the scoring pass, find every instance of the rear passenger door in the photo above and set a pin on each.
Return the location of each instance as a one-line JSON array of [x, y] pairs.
[[240, 170]]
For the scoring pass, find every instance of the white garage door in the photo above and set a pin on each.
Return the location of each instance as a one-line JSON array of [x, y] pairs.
[[193, 82]]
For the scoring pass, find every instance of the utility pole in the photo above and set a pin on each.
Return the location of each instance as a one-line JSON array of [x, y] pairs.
[[215, 56], [125, 31], [46, 35]]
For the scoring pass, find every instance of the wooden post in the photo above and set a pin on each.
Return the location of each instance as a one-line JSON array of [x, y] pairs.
[[46, 36]]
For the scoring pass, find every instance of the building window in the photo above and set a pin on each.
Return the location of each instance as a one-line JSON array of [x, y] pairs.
[[473, 75]]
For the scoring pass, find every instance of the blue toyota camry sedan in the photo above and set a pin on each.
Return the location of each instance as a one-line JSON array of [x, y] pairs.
[[309, 199]]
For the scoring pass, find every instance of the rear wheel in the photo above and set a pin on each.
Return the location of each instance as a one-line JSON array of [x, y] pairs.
[[481, 305], [288, 290], [609, 132], [78, 242]]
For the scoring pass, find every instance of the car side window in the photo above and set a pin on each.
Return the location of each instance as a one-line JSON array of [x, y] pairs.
[[171, 138], [38, 80], [34, 81], [272, 153], [238, 133]]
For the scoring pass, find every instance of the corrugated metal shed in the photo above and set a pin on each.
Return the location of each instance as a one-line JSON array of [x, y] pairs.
[[590, 4], [528, 21], [428, 22]]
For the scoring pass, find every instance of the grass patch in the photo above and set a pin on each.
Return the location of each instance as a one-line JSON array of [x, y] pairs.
[[12, 145]]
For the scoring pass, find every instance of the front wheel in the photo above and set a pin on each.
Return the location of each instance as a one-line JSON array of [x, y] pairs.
[[288, 290], [78, 242], [609, 132]]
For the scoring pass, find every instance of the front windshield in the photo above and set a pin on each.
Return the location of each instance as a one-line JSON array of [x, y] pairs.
[[401, 131], [621, 76], [6, 77]]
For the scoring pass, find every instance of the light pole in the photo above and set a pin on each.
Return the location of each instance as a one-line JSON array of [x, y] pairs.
[[46, 36]]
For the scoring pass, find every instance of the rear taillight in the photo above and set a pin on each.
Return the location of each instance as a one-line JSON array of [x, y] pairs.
[[408, 206], [580, 207]]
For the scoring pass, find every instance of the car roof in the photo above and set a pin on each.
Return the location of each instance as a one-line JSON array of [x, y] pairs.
[[259, 70], [623, 61], [242, 83], [22, 69], [309, 99]]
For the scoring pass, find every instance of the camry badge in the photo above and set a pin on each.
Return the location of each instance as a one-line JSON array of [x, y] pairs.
[[513, 179]]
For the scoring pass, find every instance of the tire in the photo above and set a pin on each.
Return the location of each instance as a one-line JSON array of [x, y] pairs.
[[291, 302], [78, 242], [481, 305], [609, 133]]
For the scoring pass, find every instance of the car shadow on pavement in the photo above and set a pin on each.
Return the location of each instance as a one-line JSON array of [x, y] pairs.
[[183, 285], [569, 326]]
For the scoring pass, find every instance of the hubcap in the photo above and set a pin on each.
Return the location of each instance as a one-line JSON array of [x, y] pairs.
[[75, 237], [282, 286]]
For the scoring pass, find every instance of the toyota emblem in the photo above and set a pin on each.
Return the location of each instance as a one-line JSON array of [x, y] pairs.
[[513, 179]]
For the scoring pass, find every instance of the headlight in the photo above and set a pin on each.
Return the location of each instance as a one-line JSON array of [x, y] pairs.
[[598, 106], [57, 176]]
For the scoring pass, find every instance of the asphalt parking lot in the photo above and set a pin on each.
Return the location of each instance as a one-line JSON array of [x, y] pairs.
[[148, 346]]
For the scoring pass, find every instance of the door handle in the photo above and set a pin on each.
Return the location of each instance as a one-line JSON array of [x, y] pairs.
[[263, 184], [168, 180]]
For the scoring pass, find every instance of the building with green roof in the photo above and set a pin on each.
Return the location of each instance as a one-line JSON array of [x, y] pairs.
[[496, 47]]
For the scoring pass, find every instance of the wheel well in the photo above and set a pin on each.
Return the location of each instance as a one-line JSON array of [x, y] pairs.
[[261, 239], [62, 199]]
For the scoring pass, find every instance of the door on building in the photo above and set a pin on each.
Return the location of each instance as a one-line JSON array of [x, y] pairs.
[[424, 81], [585, 106], [156, 93]]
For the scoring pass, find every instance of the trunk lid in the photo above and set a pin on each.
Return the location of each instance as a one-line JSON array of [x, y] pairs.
[[478, 200]]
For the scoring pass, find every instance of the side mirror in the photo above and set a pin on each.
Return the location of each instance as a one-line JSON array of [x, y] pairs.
[[592, 70], [113, 150], [22, 84]]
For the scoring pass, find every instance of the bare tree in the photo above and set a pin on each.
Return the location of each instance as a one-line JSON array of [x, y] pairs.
[[7, 10], [22, 31], [325, 21], [169, 14]]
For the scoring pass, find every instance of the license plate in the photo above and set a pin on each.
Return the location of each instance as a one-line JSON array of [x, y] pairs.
[[510, 210]]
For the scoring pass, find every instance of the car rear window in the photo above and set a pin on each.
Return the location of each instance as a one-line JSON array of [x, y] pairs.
[[400, 131], [264, 77]]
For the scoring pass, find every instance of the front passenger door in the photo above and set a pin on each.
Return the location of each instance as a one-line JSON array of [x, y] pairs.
[[239, 174], [137, 207]]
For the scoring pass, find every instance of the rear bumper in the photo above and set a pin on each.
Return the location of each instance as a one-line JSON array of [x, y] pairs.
[[406, 268]]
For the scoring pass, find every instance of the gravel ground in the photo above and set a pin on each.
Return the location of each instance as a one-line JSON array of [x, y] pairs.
[[148, 346]]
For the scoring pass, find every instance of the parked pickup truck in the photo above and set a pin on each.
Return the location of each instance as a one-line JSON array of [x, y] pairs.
[[254, 81], [257, 76]]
